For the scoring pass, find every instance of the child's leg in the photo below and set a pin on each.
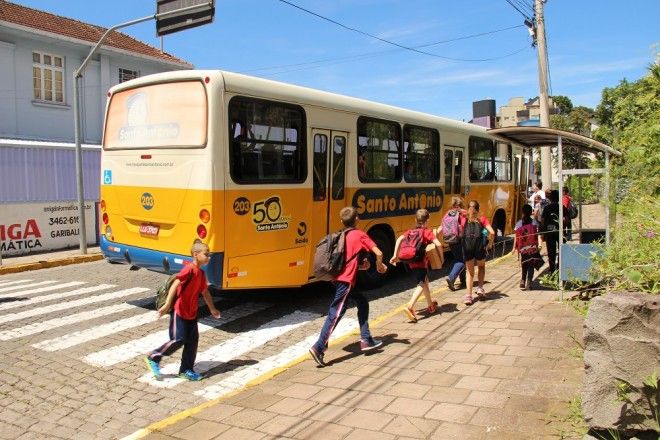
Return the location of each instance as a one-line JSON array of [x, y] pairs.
[[427, 293], [336, 311], [362, 313], [415, 296], [481, 272], [189, 346], [469, 275], [177, 338]]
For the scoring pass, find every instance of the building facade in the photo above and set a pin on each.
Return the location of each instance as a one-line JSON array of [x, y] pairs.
[[39, 53]]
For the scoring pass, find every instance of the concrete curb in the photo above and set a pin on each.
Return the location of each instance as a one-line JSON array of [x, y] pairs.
[[24, 267]]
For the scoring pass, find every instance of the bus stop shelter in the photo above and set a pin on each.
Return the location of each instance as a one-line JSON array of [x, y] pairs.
[[574, 259]]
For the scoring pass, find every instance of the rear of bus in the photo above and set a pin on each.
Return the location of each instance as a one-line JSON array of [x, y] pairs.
[[157, 171]]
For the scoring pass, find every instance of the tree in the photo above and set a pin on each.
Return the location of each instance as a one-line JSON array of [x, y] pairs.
[[630, 121], [563, 103]]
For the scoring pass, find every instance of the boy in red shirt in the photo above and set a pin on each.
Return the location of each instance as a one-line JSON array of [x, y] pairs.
[[419, 269], [356, 241], [184, 293]]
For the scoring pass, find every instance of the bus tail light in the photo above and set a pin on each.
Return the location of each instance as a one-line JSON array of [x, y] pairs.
[[103, 207], [105, 218], [204, 216], [201, 231]]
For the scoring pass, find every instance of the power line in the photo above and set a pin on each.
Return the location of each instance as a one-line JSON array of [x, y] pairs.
[[378, 53], [517, 8], [412, 49]]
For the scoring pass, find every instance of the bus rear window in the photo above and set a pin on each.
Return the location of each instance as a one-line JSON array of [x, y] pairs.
[[169, 115]]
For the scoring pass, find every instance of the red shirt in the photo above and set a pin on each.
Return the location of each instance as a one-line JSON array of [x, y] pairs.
[[427, 238], [188, 292], [356, 241]]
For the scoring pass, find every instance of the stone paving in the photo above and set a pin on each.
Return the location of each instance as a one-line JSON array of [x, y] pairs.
[[503, 368]]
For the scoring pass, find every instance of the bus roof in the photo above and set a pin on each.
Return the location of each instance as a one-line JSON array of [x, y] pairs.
[[254, 86]]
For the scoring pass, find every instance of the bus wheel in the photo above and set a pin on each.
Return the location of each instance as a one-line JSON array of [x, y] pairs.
[[371, 279]]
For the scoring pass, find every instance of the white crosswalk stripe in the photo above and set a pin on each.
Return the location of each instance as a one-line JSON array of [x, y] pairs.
[[233, 348], [69, 305], [54, 296], [142, 346], [9, 283], [247, 374], [46, 288], [40, 283], [97, 332], [39, 327]]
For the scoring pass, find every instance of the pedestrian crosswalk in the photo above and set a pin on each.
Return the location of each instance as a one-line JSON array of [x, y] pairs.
[[73, 315]]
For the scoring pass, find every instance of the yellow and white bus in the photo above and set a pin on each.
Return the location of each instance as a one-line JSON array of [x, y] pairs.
[[259, 170]]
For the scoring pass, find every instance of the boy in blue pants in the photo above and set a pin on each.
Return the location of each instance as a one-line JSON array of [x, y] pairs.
[[184, 294], [356, 241]]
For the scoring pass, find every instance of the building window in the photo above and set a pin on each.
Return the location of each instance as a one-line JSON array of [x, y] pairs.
[[48, 77], [127, 74]]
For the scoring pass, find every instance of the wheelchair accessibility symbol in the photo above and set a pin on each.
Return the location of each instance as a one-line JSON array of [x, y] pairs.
[[107, 177]]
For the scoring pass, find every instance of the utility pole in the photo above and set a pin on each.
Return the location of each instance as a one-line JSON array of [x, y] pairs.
[[546, 158]]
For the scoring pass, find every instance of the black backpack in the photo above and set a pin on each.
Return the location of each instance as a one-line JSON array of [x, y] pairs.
[[330, 256], [412, 247], [472, 238]]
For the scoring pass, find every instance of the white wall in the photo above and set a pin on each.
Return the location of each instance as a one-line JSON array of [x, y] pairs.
[[24, 118]]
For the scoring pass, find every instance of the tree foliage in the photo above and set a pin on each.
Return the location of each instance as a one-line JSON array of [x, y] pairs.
[[629, 115]]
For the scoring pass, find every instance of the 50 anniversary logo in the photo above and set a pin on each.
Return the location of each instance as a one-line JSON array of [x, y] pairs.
[[378, 203]]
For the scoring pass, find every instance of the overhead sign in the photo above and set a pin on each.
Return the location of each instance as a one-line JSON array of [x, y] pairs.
[[193, 13]]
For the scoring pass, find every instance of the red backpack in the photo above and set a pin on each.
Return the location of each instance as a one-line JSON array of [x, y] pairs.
[[412, 248], [526, 239]]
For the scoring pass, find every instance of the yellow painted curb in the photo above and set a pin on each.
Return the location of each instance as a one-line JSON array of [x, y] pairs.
[[16, 268], [162, 424]]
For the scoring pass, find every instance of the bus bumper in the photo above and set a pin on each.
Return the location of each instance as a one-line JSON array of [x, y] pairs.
[[160, 261]]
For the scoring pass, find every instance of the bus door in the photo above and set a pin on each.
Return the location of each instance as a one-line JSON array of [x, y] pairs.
[[328, 190], [453, 171]]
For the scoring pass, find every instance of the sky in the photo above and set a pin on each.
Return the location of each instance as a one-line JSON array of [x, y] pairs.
[[592, 44]]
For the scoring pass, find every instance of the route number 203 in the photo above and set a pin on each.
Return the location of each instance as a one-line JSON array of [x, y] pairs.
[[241, 206]]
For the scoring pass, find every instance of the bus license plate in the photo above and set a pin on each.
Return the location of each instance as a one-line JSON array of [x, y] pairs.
[[151, 230]]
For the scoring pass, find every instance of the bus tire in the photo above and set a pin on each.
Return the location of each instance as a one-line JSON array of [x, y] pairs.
[[371, 278]]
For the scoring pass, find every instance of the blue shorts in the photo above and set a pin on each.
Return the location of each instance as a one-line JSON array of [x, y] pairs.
[[420, 275]]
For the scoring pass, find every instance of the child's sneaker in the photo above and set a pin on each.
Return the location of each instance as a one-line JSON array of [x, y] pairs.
[[467, 300], [410, 313], [481, 293], [370, 344], [153, 366], [522, 285], [433, 307], [318, 357], [190, 375]]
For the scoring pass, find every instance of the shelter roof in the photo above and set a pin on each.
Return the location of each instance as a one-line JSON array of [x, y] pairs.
[[548, 137]]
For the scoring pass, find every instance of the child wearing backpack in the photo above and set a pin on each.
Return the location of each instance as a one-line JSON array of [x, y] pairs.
[[475, 250], [451, 231], [356, 241], [527, 245], [184, 296], [407, 249]]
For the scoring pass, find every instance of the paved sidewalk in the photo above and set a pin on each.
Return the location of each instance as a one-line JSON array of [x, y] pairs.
[[504, 368], [25, 263]]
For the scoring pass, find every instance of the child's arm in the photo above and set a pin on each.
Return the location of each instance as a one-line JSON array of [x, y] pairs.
[[491, 236], [171, 294], [380, 266], [209, 302], [395, 258]]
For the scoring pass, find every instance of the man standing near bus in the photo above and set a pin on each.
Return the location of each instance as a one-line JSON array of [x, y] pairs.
[[356, 241]]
